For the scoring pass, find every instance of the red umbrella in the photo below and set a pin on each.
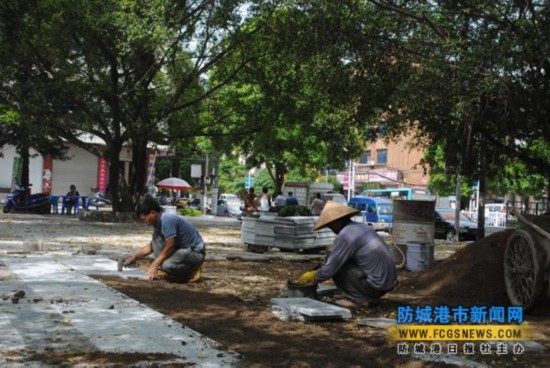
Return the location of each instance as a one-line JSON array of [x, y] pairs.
[[174, 183]]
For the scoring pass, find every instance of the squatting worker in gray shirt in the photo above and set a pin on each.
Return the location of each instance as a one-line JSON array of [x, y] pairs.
[[360, 264], [177, 246]]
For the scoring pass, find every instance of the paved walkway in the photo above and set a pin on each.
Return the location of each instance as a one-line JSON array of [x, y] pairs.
[[49, 303]]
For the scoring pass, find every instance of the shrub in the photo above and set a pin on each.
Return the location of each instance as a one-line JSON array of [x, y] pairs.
[[190, 212], [286, 211]]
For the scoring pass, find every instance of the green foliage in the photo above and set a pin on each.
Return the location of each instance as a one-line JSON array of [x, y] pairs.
[[301, 175], [232, 176], [9, 117], [441, 182], [263, 179], [470, 78], [119, 70], [190, 212], [310, 125], [286, 211], [297, 86]]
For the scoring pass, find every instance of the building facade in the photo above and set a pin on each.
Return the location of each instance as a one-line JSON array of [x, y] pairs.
[[386, 165], [82, 168]]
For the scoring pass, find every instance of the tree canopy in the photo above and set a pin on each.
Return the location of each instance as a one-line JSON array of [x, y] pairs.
[[292, 84]]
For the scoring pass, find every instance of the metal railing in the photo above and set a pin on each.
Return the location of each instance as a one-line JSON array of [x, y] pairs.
[[505, 218]]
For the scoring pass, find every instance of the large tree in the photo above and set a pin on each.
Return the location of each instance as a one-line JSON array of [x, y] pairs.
[[24, 86], [312, 64], [125, 71]]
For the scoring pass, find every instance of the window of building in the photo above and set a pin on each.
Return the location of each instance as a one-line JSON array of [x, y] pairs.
[[365, 157], [381, 156]]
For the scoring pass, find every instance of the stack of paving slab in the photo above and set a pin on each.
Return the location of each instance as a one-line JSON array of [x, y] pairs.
[[294, 232]]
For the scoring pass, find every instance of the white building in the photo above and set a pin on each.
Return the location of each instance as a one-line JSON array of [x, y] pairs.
[[82, 169]]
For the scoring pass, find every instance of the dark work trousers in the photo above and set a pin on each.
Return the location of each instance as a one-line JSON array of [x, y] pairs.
[[182, 264], [352, 281]]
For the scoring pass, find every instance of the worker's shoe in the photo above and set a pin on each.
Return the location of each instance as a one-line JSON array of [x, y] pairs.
[[197, 275]]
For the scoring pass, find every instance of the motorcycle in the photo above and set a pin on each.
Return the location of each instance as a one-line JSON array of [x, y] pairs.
[[100, 198], [20, 201]]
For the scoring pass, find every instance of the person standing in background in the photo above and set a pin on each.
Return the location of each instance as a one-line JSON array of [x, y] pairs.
[[265, 200], [317, 205], [280, 199], [291, 200]]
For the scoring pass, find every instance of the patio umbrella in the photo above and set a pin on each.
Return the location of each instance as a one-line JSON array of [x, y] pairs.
[[174, 183]]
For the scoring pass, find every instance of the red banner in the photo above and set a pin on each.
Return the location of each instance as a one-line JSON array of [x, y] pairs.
[[102, 174]]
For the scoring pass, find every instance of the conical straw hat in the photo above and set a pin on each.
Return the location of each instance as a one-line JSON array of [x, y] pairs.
[[334, 211]]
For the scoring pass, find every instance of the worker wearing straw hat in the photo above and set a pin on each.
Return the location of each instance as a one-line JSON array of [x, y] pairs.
[[360, 264]]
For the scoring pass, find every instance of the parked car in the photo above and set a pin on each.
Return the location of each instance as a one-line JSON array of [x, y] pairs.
[[445, 225], [229, 208], [377, 212]]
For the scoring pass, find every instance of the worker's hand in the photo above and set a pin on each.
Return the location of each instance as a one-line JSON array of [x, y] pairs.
[[307, 277], [152, 272]]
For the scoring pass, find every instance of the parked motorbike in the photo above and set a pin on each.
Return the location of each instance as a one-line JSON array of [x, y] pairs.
[[100, 198], [20, 201]]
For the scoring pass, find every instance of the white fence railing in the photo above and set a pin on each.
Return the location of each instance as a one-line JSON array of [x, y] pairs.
[[493, 219]]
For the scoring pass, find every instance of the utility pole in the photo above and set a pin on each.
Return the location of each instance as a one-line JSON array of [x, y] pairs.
[[205, 189]]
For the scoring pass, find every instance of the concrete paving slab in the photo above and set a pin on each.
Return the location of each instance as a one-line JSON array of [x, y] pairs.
[[75, 308], [377, 322], [326, 290], [307, 309]]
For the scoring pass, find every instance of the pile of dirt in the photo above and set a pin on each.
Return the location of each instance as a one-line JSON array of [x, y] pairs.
[[474, 275]]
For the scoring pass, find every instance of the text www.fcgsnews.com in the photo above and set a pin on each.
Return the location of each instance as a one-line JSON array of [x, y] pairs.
[[459, 332]]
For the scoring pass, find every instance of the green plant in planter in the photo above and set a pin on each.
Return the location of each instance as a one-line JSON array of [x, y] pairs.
[[286, 211]]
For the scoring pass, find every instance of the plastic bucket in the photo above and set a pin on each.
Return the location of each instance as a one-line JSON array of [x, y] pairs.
[[413, 222], [420, 256]]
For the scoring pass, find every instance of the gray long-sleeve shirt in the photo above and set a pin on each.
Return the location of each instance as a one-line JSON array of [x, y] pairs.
[[360, 244]]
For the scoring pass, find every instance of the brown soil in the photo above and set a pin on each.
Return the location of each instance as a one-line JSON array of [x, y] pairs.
[[231, 305]]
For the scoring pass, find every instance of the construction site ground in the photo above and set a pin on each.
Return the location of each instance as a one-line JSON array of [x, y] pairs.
[[225, 319]]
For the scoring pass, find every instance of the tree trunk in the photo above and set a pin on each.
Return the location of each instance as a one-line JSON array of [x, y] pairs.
[[138, 175], [458, 205], [113, 156], [280, 172], [25, 162], [482, 193]]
